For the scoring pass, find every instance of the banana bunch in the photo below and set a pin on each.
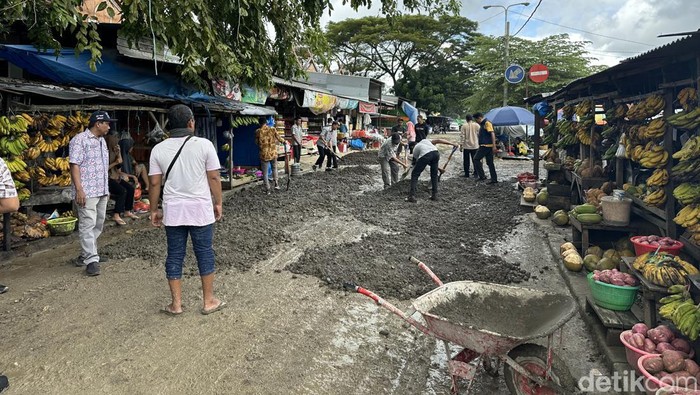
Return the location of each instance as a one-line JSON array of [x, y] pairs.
[[609, 131], [37, 172], [583, 135], [688, 216], [656, 129], [656, 198], [244, 121], [634, 153], [658, 178], [76, 123], [40, 122], [611, 151], [68, 213], [647, 108], [687, 193], [688, 97], [31, 153], [567, 133], [685, 119], [19, 184], [51, 132], [680, 309], [568, 111], [57, 164], [64, 141], [12, 145], [616, 113], [15, 164], [664, 269], [57, 122], [24, 194], [654, 156], [690, 150], [23, 176], [64, 179], [584, 108], [48, 180], [49, 146], [14, 124]]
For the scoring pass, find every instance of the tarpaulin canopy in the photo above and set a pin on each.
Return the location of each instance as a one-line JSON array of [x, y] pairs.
[[410, 111], [70, 69]]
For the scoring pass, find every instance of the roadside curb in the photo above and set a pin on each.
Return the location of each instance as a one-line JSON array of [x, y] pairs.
[[577, 284]]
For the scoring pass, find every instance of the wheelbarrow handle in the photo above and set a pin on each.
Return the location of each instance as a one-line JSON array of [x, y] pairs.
[[381, 302], [426, 269]]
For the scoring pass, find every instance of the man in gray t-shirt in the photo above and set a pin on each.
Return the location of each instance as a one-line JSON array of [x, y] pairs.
[[325, 146], [389, 161], [297, 138], [425, 153]]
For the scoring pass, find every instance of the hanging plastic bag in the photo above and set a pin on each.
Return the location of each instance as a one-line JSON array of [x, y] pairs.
[[621, 148]]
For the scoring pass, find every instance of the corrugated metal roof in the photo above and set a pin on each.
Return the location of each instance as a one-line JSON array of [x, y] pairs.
[[300, 85]]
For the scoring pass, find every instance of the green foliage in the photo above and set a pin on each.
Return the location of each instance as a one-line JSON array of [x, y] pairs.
[[373, 47], [438, 88], [566, 60], [214, 38]]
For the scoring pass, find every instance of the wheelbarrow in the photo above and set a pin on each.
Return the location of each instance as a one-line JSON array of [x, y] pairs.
[[493, 323]]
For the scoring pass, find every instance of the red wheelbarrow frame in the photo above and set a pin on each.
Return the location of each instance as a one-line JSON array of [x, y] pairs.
[[459, 364]]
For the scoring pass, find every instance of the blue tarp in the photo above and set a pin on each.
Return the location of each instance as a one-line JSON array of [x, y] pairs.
[[410, 111], [111, 73]]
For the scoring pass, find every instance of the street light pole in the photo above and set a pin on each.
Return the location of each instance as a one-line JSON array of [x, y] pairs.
[[506, 42]]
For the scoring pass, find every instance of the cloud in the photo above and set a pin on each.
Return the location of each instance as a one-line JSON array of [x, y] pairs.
[[617, 29]]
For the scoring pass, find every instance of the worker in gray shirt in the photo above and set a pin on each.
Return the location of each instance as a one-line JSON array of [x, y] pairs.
[[297, 138], [324, 144], [389, 161]]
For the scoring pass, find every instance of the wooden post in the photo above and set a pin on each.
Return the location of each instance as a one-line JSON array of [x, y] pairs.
[[230, 150], [536, 142]]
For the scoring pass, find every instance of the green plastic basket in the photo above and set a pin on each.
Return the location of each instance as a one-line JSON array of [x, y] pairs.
[[62, 226], [612, 297]]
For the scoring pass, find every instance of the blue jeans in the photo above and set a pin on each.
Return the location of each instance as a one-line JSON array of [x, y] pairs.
[[202, 243]]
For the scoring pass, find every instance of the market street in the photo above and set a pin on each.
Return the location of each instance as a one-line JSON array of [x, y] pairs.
[[282, 260]]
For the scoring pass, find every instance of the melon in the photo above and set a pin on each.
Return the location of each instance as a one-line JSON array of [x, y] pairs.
[[573, 262], [542, 212], [595, 250], [607, 264], [566, 246], [590, 261], [542, 196]]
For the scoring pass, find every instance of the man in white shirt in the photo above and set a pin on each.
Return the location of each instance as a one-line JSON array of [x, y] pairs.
[[297, 138], [189, 181], [425, 153], [389, 161]]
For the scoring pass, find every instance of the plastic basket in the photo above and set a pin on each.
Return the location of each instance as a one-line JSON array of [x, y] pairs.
[[641, 249], [633, 353], [62, 226], [612, 297]]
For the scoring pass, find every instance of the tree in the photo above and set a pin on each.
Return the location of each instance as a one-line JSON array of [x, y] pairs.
[[373, 47], [438, 88], [214, 38], [566, 60]]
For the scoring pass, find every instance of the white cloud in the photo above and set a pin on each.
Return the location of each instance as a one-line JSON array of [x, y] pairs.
[[632, 20]]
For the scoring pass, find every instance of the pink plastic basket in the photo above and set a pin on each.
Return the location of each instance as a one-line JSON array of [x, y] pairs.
[[633, 354]]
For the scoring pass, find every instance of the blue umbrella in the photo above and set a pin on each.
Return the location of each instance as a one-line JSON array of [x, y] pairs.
[[508, 116]]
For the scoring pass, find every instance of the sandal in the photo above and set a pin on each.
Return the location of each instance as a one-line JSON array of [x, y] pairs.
[[221, 306], [167, 311], [119, 221], [132, 216]]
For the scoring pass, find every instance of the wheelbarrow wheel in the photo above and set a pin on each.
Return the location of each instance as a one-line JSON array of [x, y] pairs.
[[533, 358]]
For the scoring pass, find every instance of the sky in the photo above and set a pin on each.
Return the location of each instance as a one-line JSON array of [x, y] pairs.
[[616, 29]]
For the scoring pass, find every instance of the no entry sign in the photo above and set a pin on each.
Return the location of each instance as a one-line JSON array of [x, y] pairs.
[[538, 73]]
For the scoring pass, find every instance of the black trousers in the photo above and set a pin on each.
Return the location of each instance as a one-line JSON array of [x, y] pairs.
[[322, 154], [123, 194], [411, 144], [431, 159], [468, 156], [485, 152], [296, 149]]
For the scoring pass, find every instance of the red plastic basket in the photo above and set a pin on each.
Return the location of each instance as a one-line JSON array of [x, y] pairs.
[[633, 353], [640, 249]]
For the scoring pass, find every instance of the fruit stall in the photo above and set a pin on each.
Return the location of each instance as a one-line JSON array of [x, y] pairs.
[[626, 142]]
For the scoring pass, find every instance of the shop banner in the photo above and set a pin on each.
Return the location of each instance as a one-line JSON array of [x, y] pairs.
[[280, 93], [347, 104], [319, 103], [253, 96], [368, 108], [227, 89]]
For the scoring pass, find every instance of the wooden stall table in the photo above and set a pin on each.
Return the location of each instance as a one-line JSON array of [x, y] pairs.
[[581, 232], [650, 293]]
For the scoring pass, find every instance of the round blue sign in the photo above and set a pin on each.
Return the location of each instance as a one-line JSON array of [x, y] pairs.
[[515, 74]]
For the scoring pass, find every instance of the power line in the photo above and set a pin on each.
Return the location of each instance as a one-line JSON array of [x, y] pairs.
[[528, 18], [491, 17], [586, 31]]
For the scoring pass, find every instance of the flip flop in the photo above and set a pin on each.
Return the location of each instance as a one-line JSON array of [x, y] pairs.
[[119, 222], [221, 306], [166, 310]]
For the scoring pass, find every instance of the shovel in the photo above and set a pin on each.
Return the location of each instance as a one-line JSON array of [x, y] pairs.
[[408, 169], [444, 167]]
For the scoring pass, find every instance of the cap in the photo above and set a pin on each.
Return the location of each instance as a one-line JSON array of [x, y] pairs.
[[100, 116]]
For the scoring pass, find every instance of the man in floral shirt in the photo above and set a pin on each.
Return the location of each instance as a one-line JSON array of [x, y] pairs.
[[8, 197], [89, 165], [267, 138]]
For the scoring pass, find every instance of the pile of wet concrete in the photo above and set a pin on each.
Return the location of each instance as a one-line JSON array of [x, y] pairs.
[[448, 234]]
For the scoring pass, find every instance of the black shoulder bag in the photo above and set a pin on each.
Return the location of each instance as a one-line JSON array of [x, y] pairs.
[[167, 173]]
